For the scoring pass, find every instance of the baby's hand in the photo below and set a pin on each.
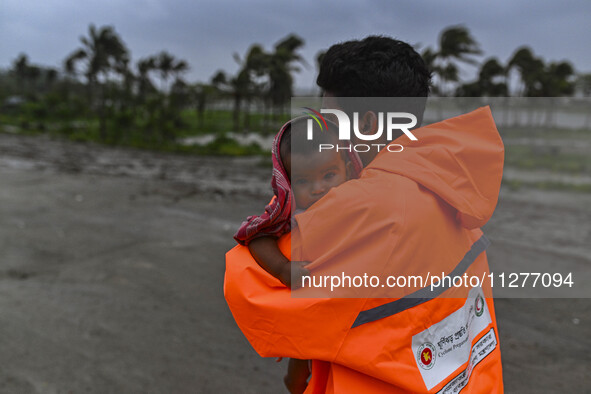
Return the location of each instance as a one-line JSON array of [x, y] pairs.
[[295, 270]]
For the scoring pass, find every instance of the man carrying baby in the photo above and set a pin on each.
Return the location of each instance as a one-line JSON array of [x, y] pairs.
[[408, 213]]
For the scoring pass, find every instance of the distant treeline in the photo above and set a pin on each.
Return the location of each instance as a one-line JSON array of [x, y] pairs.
[[100, 93]]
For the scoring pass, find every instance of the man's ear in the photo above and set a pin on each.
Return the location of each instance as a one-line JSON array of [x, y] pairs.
[[368, 123]]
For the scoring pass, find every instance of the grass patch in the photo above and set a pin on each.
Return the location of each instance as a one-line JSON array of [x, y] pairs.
[[221, 121], [549, 133], [547, 158], [123, 130], [516, 185]]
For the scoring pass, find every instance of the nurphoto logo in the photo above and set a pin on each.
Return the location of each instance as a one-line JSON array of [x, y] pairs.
[[387, 122]]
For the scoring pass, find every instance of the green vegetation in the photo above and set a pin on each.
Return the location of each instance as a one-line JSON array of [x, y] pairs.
[[134, 135], [546, 133], [220, 121], [535, 77], [99, 95], [516, 185], [547, 158]]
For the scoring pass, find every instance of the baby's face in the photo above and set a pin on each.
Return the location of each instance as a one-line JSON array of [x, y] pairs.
[[314, 174]]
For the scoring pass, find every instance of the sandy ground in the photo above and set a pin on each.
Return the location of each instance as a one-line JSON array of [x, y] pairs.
[[111, 271]]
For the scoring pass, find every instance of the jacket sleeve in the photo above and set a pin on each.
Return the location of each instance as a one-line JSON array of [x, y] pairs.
[[279, 323]]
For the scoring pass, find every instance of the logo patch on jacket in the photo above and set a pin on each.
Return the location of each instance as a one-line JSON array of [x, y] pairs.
[[426, 355], [447, 345]]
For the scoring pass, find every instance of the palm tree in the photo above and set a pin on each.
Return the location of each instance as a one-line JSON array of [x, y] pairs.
[[178, 68], [429, 56], [256, 64], [490, 83], [530, 69], [169, 66], [27, 75], [144, 67], [240, 85], [180, 96], [489, 71], [219, 81], [259, 70], [164, 64], [455, 43], [557, 80], [51, 76], [201, 94], [70, 63], [447, 73], [21, 71], [70, 81], [128, 79], [243, 85], [102, 50], [166, 107], [280, 69]]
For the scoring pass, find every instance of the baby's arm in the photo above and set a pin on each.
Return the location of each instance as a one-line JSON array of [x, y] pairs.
[[267, 254]]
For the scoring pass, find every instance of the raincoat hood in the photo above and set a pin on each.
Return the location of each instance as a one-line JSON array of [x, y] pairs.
[[459, 159]]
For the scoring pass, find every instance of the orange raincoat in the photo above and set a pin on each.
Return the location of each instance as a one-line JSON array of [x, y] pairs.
[[415, 212]]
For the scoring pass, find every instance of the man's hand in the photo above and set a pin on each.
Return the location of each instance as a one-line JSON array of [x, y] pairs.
[[292, 272]]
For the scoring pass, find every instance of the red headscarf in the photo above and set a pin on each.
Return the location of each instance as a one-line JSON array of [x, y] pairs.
[[276, 220]]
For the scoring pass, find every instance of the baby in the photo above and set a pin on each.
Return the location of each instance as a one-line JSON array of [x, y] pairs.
[[301, 171]]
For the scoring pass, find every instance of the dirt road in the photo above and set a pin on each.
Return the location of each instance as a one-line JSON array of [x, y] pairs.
[[111, 270]]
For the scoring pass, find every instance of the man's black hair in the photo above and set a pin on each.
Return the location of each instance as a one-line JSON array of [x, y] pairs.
[[376, 66]]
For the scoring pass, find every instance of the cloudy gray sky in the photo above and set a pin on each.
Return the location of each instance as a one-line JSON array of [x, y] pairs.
[[207, 32]]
